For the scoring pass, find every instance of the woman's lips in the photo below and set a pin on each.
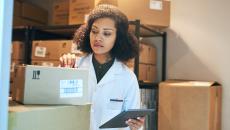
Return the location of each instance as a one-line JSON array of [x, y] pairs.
[[97, 45]]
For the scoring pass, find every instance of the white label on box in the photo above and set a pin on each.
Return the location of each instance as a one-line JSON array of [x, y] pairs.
[[47, 64], [40, 51], [71, 88], [155, 5]]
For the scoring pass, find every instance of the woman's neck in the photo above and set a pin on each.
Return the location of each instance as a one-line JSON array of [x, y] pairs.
[[102, 58]]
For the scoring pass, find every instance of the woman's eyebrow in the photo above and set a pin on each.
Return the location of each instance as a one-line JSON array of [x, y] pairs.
[[94, 26], [108, 29]]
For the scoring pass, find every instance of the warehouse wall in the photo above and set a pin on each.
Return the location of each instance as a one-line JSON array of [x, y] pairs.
[[198, 45]]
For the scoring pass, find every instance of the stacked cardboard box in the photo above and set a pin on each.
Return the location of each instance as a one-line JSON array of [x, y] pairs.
[[60, 11], [41, 117], [153, 12], [189, 105], [150, 12], [17, 58], [147, 63], [28, 14], [47, 53]]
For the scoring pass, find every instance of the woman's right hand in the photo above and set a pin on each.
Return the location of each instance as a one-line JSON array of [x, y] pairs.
[[68, 60]]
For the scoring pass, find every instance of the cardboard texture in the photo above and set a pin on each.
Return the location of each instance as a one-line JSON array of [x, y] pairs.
[[17, 8], [60, 12], [30, 117], [147, 72], [17, 50], [189, 105], [34, 13], [78, 10], [20, 21], [51, 85], [14, 64], [52, 63], [51, 49], [157, 15], [147, 54]]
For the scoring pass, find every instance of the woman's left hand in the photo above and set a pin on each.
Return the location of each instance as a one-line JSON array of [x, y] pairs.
[[136, 124]]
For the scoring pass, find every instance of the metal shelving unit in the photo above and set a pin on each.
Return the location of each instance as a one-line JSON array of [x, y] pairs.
[[66, 32]]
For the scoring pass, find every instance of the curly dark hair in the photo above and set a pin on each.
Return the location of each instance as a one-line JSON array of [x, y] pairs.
[[126, 44]]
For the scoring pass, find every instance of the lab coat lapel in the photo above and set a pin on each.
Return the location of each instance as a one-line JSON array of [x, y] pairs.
[[110, 76]]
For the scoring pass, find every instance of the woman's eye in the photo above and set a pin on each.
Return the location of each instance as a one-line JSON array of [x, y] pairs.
[[94, 31], [107, 33]]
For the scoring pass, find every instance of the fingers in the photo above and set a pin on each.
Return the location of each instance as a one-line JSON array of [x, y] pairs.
[[68, 60], [135, 124]]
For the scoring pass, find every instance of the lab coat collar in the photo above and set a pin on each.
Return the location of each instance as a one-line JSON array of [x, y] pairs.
[[115, 70]]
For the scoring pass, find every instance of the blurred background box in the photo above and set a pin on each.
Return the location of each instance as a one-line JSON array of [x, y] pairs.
[[51, 63], [34, 13], [150, 12], [50, 49], [189, 105], [41, 117], [60, 12]]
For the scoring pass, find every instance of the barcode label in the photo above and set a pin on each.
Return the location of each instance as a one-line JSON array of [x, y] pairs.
[[71, 88]]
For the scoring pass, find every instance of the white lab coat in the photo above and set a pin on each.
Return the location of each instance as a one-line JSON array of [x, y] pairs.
[[118, 83]]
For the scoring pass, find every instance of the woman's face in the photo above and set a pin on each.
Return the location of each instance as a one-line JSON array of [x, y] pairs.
[[102, 36]]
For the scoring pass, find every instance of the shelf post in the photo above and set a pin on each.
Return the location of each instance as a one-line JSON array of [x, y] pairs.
[[137, 33]]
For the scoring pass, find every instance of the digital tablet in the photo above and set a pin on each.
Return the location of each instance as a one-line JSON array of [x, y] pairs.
[[119, 120]]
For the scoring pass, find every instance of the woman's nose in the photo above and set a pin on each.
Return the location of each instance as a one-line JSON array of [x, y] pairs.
[[98, 37]]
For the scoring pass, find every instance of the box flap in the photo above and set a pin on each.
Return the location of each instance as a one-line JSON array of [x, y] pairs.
[[190, 83]]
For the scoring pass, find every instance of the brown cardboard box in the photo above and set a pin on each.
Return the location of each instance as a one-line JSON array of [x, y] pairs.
[[18, 50], [48, 117], [152, 55], [60, 12], [34, 13], [17, 8], [13, 65], [112, 2], [143, 53], [53, 63], [51, 49], [20, 21], [157, 15], [78, 10], [151, 73], [142, 72], [189, 105], [147, 54], [147, 72]]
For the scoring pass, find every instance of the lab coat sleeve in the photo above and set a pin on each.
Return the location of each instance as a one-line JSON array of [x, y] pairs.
[[132, 100]]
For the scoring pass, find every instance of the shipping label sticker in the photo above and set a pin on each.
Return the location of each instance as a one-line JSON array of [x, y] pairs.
[[40, 51], [156, 5], [49, 64], [71, 88]]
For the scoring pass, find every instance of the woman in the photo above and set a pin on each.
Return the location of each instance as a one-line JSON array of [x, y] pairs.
[[108, 45]]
